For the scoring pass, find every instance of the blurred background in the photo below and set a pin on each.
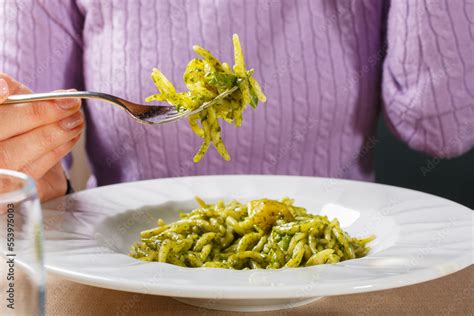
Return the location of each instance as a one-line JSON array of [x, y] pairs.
[[395, 164]]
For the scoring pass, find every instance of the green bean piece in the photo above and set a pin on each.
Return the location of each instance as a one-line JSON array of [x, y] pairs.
[[296, 238], [298, 253], [319, 258], [164, 250], [247, 241], [204, 240], [307, 252], [312, 243], [259, 246]]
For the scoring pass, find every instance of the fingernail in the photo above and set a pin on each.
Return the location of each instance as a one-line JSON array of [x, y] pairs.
[[4, 91], [68, 104], [72, 121]]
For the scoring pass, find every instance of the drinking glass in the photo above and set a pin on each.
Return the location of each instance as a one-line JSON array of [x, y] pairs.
[[22, 286]]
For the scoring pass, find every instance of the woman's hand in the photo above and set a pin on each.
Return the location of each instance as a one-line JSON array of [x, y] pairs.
[[35, 136]]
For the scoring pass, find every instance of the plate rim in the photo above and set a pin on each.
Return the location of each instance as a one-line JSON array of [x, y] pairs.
[[103, 187], [248, 292]]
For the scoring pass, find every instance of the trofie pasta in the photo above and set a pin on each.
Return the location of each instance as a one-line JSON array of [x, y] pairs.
[[264, 233], [205, 79]]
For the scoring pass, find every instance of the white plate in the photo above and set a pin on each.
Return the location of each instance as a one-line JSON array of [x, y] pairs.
[[419, 237]]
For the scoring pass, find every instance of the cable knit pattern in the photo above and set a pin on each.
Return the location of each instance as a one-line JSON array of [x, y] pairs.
[[429, 84], [324, 66]]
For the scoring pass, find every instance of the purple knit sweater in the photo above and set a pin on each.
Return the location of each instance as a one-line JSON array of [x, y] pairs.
[[328, 69]]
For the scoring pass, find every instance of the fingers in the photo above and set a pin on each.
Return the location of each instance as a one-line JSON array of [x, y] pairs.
[[35, 136], [14, 87], [40, 167], [18, 151], [4, 90], [53, 184], [16, 119]]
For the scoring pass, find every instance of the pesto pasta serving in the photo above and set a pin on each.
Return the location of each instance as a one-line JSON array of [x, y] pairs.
[[205, 79], [264, 233]]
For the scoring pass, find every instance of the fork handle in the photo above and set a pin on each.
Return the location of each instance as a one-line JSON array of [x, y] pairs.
[[21, 98]]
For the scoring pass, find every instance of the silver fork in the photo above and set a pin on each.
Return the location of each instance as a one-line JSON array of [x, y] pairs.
[[145, 114]]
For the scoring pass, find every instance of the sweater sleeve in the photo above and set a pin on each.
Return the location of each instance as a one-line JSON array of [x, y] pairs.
[[428, 75], [41, 43]]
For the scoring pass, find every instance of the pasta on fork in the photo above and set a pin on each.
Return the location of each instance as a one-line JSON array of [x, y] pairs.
[[205, 79]]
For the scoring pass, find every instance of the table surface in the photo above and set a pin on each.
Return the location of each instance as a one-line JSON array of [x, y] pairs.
[[450, 295]]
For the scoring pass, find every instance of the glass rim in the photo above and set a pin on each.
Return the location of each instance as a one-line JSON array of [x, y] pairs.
[[28, 188]]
